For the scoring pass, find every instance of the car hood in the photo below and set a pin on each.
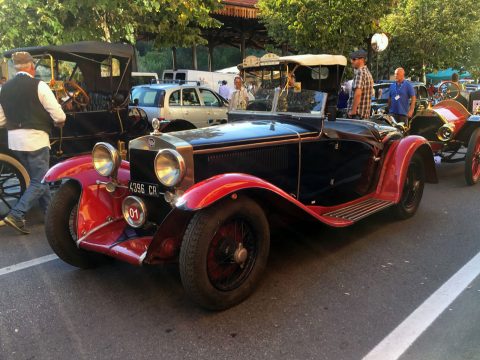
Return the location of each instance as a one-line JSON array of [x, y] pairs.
[[242, 132]]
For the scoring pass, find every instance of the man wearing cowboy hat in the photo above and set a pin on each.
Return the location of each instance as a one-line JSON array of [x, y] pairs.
[[28, 108]]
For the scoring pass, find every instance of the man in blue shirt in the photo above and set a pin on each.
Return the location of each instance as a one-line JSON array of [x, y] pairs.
[[401, 100]]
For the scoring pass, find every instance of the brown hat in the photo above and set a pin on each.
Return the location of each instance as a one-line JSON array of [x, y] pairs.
[[22, 57]]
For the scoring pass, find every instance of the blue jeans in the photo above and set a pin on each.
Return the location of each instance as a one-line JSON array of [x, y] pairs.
[[37, 163]]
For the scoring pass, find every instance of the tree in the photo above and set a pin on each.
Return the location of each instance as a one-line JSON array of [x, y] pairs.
[[40, 22], [433, 34], [323, 26]]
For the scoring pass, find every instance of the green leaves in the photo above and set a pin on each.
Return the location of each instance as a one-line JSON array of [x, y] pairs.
[[39, 22], [322, 26]]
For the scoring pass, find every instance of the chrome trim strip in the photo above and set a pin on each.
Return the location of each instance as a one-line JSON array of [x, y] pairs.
[[141, 258], [95, 229]]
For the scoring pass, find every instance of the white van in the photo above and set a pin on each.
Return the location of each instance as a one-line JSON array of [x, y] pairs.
[[204, 78], [140, 78]]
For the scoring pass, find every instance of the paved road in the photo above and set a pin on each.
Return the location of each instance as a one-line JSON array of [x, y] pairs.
[[327, 294]]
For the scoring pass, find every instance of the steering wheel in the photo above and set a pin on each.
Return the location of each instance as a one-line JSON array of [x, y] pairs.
[[75, 93], [448, 90]]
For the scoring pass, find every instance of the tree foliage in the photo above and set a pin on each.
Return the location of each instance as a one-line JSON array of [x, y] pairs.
[[434, 33], [40, 22], [323, 26]]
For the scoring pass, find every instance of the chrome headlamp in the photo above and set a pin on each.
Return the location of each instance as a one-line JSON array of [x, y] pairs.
[[445, 133], [169, 167], [106, 159]]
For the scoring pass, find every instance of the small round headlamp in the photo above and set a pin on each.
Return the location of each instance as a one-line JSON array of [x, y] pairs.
[[134, 211], [106, 159], [445, 133], [169, 167]]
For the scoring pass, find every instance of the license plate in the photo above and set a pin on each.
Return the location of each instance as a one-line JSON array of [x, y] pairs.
[[145, 188]]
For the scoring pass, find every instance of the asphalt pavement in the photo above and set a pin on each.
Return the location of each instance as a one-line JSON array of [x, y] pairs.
[[326, 294]]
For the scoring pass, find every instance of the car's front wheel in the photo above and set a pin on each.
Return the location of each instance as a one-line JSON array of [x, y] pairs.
[[472, 159], [14, 180], [412, 189], [224, 252], [61, 228]]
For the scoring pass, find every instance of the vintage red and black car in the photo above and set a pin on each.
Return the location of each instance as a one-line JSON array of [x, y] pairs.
[[205, 197], [92, 81], [451, 129]]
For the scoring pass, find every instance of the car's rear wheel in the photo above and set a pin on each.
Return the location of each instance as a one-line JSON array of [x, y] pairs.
[[412, 189], [224, 252], [61, 228], [472, 159], [14, 180]]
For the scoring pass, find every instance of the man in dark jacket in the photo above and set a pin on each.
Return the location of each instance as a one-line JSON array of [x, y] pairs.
[[28, 108]]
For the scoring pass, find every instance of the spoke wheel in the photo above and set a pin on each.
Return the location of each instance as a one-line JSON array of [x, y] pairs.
[[14, 180], [449, 90], [412, 189], [224, 252], [231, 255], [472, 159]]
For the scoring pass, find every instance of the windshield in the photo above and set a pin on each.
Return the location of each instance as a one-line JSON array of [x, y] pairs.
[[148, 97], [381, 93], [63, 70], [288, 100]]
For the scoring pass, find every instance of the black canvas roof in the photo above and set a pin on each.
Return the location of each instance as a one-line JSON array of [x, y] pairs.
[[97, 50]]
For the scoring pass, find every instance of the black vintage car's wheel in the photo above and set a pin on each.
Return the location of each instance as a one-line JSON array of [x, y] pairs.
[[224, 252], [412, 189], [472, 159], [60, 228], [14, 180]]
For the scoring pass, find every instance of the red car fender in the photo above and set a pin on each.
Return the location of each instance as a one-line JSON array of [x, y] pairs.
[[394, 171], [81, 168], [205, 193], [97, 207]]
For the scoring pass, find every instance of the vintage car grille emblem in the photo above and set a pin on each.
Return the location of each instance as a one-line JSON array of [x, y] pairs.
[[151, 142]]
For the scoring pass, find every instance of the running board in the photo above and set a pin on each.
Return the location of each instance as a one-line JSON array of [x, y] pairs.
[[360, 210]]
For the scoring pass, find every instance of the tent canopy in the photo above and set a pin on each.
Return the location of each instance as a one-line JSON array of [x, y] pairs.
[[446, 74]]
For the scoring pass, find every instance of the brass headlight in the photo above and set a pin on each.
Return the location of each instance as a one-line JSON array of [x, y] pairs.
[[106, 159], [169, 167], [445, 133]]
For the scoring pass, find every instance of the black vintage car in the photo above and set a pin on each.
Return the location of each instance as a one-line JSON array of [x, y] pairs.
[[205, 198], [92, 81]]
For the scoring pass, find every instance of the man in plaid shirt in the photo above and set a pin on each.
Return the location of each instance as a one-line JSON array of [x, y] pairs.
[[362, 87]]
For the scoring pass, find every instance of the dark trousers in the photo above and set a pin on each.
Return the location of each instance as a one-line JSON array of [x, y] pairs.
[[37, 164]]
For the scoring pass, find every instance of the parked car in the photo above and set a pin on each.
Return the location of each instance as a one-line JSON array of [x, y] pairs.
[[382, 93], [92, 81], [180, 107], [206, 197], [451, 129]]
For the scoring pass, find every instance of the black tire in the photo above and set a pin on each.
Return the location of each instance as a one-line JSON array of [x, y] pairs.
[[210, 274], [472, 159], [412, 189], [14, 180], [61, 231]]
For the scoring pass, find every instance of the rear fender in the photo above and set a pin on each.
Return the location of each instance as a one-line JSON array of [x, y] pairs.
[[396, 163]]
